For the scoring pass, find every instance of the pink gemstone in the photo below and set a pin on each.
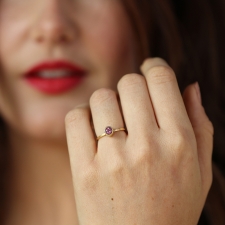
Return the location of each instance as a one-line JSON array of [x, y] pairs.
[[108, 130]]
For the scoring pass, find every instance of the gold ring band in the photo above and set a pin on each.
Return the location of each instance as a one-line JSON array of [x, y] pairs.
[[109, 131]]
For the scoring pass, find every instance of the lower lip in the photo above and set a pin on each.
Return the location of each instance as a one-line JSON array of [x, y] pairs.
[[55, 85]]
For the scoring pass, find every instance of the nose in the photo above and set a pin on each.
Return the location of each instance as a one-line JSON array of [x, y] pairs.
[[53, 25]]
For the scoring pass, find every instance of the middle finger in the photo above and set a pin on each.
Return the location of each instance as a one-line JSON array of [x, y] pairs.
[[136, 104]]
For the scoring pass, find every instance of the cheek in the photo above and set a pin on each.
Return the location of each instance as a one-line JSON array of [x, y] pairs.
[[112, 53], [13, 31], [110, 41], [13, 23]]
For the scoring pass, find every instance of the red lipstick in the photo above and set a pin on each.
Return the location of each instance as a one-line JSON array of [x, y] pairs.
[[55, 77]]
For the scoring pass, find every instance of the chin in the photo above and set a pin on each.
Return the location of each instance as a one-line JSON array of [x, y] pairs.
[[47, 131], [46, 128], [42, 119]]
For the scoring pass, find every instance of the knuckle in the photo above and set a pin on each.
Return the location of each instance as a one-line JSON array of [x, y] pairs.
[[146, 151], [75, 115], [130, 81], [161, 74], [116, 167], [143, 156], [179, 140], [102, 95], [146, 154], [182, 146]]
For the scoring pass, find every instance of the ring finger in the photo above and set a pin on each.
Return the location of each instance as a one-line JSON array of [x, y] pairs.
[[106, 112]]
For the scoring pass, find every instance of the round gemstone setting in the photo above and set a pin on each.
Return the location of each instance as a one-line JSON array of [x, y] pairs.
[[109, 131]]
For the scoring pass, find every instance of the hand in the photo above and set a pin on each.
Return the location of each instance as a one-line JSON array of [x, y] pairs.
[[159, 172]]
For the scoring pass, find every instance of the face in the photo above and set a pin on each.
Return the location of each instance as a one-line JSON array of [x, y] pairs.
[[54, 54]]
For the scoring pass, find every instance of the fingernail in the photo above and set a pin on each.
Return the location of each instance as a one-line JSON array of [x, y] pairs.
[[198, 92]]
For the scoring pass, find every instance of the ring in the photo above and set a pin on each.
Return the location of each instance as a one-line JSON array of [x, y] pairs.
[[109, 131]]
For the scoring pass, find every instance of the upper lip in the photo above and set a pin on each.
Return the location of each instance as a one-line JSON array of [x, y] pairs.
[[54, 65]]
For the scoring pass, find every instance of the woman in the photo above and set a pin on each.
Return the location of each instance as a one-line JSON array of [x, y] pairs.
[[56, 55]]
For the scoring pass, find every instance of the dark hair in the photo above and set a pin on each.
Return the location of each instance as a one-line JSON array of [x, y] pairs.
[[189, 34], [3, 169]]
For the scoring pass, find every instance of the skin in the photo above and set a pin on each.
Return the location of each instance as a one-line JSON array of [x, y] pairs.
[[55, 30], [158, 173], [161, 166]]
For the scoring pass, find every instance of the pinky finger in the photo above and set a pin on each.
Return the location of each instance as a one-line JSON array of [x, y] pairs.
[[203, 130]]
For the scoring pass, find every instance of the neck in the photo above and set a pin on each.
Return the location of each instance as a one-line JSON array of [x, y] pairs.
[[40, 185]]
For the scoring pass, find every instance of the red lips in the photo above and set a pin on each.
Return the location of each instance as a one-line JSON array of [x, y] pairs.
[[55, 77]]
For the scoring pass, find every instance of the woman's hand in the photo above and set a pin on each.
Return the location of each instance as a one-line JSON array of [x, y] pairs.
[[159, 172]]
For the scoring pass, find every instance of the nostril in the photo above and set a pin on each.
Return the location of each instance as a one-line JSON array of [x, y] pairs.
[[40, 39], [63, 38]]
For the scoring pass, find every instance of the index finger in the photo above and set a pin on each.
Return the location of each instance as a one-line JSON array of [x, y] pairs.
[[80, 137]]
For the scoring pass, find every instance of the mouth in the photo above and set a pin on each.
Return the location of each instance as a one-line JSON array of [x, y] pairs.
[[55, 77], [54, 74]]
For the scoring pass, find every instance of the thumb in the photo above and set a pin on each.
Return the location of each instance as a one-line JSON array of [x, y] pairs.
[[203, 130]]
